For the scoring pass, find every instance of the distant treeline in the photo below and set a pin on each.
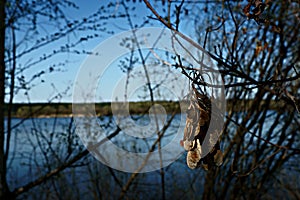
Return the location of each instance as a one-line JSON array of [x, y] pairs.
[[20, 110]]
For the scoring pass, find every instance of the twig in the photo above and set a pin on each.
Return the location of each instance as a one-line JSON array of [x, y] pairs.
[[151, 96], [262, 139], [257, 165], [293, 98], [178, 10], [54, 172], [134, 175], [211, 29]]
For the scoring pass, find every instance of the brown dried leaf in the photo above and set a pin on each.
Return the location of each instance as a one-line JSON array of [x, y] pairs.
[[193, 157], [218, 158]]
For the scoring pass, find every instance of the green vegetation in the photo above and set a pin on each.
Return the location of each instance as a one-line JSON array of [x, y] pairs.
[[65, 109], [103, 109]]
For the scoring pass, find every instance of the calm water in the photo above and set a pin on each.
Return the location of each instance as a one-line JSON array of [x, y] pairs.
[[38, 145]]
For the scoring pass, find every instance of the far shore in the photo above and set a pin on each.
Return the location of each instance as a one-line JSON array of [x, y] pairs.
[[50, 110]]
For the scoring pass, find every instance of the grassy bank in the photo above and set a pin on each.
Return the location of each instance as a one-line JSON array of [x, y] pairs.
[[102, 109], [65, 109]]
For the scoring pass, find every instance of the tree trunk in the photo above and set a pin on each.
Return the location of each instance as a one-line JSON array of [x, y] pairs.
[[210, 179], [4, 192]]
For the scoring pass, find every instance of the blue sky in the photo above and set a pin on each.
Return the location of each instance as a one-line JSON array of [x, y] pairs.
[[48, 86], [58, 85]]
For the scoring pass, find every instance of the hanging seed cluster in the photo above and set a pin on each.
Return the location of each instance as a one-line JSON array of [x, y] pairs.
[[198, 120]]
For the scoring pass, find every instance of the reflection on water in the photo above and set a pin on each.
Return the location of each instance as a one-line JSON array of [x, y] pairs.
[[40, 144]]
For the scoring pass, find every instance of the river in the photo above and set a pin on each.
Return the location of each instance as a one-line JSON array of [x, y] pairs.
[[39, 145]]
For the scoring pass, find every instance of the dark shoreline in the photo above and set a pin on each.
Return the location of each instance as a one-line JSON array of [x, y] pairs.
[[47, 110]]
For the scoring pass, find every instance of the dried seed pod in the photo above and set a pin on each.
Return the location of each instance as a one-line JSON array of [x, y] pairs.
[[218, 158], [205, 166], [192, 127], [197, 123], [193, 158], [188, 145], [197, 117]]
